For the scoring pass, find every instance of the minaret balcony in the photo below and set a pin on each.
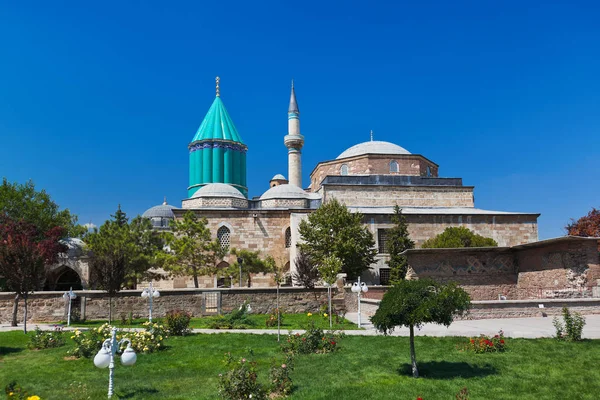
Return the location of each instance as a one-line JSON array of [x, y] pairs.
[[293, 141]]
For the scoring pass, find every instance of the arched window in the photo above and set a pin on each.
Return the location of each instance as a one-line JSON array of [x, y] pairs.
[[288, 238], [344, 169], [394, 166], [224, 236]]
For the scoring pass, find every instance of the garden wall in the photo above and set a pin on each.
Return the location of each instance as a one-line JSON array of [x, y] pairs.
[[93, 304]]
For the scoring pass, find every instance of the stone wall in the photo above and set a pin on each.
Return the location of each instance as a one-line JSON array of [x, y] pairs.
[[51, 307], [403, 196], [373, 164], [198, 202]]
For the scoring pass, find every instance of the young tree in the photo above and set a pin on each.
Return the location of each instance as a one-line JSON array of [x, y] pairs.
[[251, 263], [398, 241], [121, 253], [195, 253], [329, 269], [22, 202], [412, 303], [24, 252], [279, 273], [459, 236], [332, 230], [306, 273], [586, 226]]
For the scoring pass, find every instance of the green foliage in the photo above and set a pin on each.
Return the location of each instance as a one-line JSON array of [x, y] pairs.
[[332, 230], [459, 236], [46, 339], [485, 344], [178, 322], [279, 377], [329, 268], [194, 252], [572, 328], [252, 263], [313, 340], [237, 319], [241, 381], [398, 241], [271, 319], [16, 392]]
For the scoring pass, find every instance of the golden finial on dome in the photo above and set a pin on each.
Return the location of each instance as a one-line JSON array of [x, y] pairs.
[[218, 89]]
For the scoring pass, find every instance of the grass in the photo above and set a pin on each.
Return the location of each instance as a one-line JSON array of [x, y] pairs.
[[290, 321], [363, 368]]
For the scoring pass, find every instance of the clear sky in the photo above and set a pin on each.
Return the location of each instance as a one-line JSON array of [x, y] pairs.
[[99, 101]]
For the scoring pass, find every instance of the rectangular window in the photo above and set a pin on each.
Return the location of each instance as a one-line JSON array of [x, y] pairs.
[[384, 276], [382, 240]]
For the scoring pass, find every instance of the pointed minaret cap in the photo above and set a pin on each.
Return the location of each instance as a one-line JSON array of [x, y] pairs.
[[165, 201], [293, 108]]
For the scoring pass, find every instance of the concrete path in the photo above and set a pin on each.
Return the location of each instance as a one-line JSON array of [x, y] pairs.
[[512, 327]]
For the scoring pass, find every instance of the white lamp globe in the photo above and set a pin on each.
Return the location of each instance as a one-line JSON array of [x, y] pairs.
[[355, 287], [128, 357], [363, 287], [102, 359], [66, 295], [145, 293], [155, 294]]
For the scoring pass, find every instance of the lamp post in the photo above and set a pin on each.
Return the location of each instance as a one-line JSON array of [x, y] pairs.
[[70, 295], [150, 293], [106, 357], [240, 261], [359, 287]]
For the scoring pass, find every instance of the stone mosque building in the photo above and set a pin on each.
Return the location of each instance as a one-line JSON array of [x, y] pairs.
[[370, 178]]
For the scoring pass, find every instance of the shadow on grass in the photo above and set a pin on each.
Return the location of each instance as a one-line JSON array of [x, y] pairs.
[[8, 350], [129, 394], [447, 370]]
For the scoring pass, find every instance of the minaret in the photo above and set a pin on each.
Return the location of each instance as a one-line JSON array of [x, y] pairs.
[[294, 142]]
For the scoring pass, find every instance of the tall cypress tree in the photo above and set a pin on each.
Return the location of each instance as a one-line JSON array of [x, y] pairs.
[[398, 241]]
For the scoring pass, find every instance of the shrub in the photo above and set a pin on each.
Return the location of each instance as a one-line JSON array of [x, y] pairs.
[[237, 319], [241, 381], [485, 344], [271, 320], [463, 394], [87, 343], [46, 339], [314, 340], [178, 322], [15, 391], [279, 377], [572, 328]]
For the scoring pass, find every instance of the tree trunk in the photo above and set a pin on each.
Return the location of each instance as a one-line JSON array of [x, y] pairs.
[[413, 357], [195, 274], [109, 309], [25, 315], [249, 281], [15, 311]]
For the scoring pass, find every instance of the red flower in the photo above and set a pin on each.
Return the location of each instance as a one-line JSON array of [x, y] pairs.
[[419, 398], [502, 341]]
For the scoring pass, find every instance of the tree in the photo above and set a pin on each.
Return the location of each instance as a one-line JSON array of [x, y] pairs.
[[24, 252], [332, 230], [454, 237], [195, 253], [251, 263], [121, 253], [279, 273], [413, 303], [306, 273], [329, 269], [22, 202], [586, 226], [398, 242]]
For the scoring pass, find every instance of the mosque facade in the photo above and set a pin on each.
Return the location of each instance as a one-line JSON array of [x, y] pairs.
[[370, 177]]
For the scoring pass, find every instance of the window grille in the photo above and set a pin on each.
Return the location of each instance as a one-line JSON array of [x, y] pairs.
[[288, 238], [394, 166], [384, 276], [224, 236], [382, 240], [344, 169]]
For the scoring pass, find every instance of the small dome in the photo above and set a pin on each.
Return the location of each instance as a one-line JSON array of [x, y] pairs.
[[278, 177], [286, 191], [218, 190], [161, 211], [373, 147], [75, 246]]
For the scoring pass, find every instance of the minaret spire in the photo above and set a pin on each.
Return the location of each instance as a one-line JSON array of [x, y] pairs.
[[371, 135], [294, 141], [217, 79]]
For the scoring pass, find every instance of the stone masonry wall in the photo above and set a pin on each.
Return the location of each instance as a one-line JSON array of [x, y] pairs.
[[51, 307]]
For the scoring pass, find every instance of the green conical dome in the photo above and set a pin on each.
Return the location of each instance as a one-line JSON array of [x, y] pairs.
[[217, 124]]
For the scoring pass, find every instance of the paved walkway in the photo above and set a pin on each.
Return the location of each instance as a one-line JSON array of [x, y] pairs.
[[512, 327]]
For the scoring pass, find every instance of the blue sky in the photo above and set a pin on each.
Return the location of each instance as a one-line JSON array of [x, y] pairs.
[[99, 101]]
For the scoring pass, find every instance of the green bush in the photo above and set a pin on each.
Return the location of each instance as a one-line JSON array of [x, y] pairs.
[[314, 340], [241, 381], [46, 339], [485, 344], [271, 320], [237, 319], [178, 322], [572, 328], [279, 377]]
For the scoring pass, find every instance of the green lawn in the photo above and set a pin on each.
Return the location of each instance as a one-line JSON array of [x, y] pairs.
[[290, 321], [363, 368]]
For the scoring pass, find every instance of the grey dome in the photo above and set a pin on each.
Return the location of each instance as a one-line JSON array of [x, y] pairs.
[[373, 147], [278, 177], [286, 191], [162, 211], [76, 247], [218, 190]]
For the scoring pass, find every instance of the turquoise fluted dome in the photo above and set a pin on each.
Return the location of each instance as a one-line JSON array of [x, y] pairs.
[[217, 152]]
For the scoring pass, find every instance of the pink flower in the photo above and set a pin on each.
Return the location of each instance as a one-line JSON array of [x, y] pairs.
[[243, 360], [283, 365]]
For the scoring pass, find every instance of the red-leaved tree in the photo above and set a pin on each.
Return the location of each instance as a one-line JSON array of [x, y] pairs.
[[586, 226], [24, 251]]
